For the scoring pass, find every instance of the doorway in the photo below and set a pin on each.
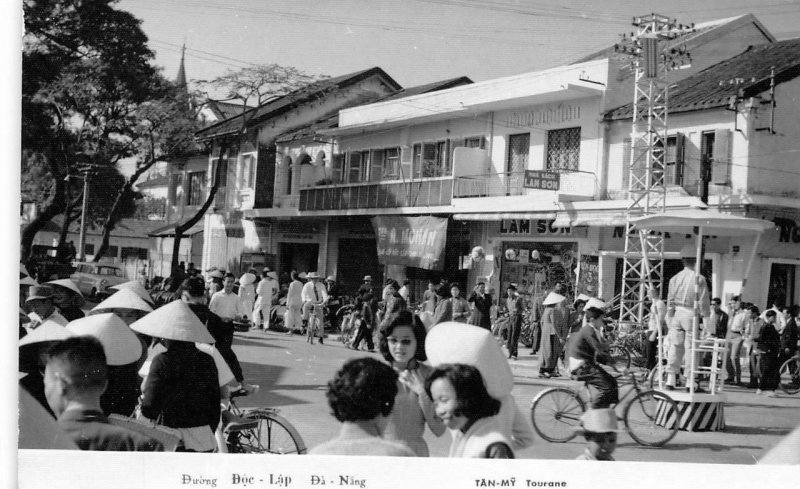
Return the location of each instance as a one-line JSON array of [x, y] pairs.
[[302, 257], [781, 285]]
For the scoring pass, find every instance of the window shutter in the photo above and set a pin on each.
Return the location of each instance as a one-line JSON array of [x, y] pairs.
[[680, 144], [720, 169], [626, 163]]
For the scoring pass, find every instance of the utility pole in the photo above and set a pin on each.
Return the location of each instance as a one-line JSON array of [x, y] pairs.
[[652, 57], [87, 171]]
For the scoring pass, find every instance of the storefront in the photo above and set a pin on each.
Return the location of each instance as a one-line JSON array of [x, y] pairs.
[[778, 279]]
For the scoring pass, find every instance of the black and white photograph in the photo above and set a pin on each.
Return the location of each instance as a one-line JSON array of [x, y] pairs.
[[279, 243]]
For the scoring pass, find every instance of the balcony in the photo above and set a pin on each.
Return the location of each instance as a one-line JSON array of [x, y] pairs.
[[416, 193], [578, 184]]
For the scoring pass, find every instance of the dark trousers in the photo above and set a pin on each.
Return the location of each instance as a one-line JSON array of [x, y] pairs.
[[364, 333], [650, 350], [223, 345], [515, 326], [769, 371], [606, 385]]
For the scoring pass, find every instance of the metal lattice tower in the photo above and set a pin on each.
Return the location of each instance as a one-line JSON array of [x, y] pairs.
[[644, 252]]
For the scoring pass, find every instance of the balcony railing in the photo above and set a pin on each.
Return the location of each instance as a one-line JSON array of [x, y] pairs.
[[512, 183], [416, 193]]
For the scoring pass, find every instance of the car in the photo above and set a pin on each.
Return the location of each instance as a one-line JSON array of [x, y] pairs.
[[93, 279]]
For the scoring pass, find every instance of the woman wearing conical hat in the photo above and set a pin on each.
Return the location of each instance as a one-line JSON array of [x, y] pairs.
[[123, 353], [181, 387], [553, 335], [67, 298], [32, 349], [128, 305]]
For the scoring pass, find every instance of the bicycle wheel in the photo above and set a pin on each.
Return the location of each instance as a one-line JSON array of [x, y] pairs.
[[652, 377], [651, 418], [621, 357], [274, 434], [790, 376], [556, 412]]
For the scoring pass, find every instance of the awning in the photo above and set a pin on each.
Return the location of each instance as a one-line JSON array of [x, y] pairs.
[[495, 216]]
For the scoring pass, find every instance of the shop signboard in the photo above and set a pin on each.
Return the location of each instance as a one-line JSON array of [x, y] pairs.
[[411, 241], [542, 180]]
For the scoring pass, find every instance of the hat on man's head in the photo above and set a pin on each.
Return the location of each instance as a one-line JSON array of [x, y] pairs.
[[216, 274], [452, 342], [272, 275], [688, 251], [311, 275], [598, 421], [120, 344], [122, 299], [247, 279], [302, 275], [67, 284], [367, 278], [330, 278], [553, 298], [39, 292], [595, 303], [174, 321], [136, 287]]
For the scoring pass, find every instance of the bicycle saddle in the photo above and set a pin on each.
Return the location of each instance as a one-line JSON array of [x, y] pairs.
[[231, 422]]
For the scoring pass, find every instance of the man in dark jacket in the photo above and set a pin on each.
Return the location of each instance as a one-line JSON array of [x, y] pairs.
[[74, 380]]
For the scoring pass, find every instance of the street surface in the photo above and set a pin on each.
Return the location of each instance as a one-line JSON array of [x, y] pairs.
[[293, 377]]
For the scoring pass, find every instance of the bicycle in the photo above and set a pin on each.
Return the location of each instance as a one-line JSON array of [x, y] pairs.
[[789, 375], [650, 417], [347, 323], [258, 430], [314, 324]]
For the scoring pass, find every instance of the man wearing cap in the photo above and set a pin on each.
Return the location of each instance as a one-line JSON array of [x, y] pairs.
[[266, 290], [314, 296], [366, 287], [334, 300], [586, 350], [516, 307], [681, 313], [41, 303], [74, 379]]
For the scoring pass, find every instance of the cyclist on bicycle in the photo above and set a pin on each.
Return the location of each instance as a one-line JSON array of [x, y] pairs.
[[314, 297], [586, 349]]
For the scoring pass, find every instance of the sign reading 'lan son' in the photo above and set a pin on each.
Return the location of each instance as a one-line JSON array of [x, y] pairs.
[[542, 180]]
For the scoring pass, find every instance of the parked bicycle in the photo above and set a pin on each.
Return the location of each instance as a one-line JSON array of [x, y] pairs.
[[650, 416], [258, 430], [790, 375]]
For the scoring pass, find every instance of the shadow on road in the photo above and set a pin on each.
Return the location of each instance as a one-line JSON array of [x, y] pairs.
[[755, 430], [714, 447], [249, 342], [267, 376]]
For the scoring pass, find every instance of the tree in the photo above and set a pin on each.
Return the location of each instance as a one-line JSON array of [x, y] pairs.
[[86, 71], [251, 87]]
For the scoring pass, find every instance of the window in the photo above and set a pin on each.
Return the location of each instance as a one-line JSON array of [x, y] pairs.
[[385, 164], [475, 142], [223, 176], [175, 194], [338, 168], [197, 185], [357, 168], [519, 146], [112, 252], [88, 249], [715, 150], [673, 160], [563, 149], [135, 253], [247, 174], [432, 159]]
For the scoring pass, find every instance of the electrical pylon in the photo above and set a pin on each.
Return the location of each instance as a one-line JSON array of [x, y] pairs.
[[653, 58]]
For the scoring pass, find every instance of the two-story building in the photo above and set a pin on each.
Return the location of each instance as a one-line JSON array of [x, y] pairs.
[[734, 140]]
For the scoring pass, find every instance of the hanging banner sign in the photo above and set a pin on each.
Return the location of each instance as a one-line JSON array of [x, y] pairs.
[[411, 241]]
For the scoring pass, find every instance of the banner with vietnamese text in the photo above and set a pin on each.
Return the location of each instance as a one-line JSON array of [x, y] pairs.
[[411, 241]]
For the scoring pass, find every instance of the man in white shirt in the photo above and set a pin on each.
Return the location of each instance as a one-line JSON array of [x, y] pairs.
[[294, 302], [734, 339], [314, 294], [681, 312], [225, 303], [266, 290]]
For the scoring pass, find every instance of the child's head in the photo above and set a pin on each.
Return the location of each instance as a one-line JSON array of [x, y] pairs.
[[599, 427], [459, 395]]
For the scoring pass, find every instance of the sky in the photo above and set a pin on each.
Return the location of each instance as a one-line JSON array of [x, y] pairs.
[[414, 41]]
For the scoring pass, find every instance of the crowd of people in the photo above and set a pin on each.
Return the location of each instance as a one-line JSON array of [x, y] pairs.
[[172, 361]]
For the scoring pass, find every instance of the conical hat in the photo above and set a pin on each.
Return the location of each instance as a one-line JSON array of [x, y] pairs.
[[553, 298], [123, 299], [272, 275], [582, 297], [595, 303], [247, 279], [121, 345], [37, 429], [137, 288], [174, 321], [67, 284], [47, 331], [452, 342]]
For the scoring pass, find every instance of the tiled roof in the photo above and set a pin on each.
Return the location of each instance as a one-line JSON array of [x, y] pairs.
[[702, 33], [713, 87], [287, 102], [225, 110], [125, 228], [158, 181], [310, 130]]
